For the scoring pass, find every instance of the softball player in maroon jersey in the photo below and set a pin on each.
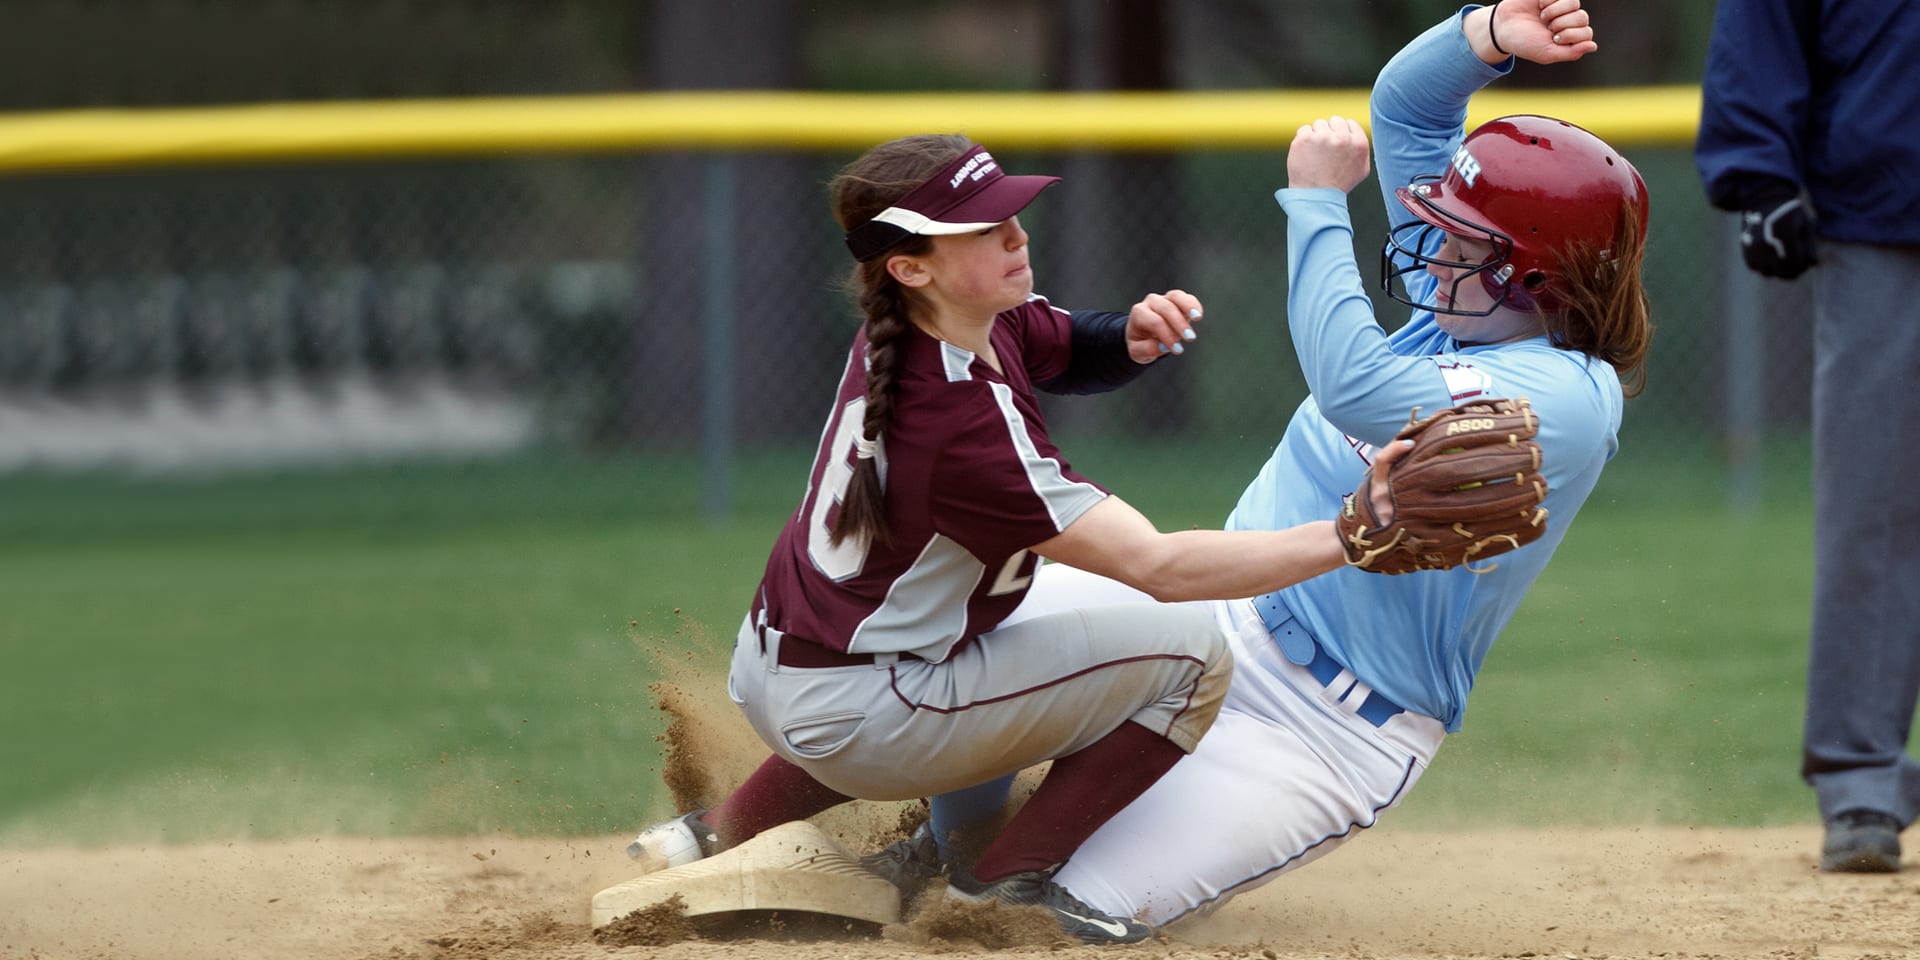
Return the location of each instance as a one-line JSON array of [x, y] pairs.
[[872, 662]]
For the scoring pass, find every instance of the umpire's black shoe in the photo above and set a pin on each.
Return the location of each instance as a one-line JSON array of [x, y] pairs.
[[1861, 841], [1080, 921], [908, 864]]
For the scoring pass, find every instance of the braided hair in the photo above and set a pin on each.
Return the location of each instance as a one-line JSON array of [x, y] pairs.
[[862, 189]]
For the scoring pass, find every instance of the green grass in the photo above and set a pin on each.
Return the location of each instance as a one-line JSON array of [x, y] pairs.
[[1655, 674], [453, 648], [451, 682]]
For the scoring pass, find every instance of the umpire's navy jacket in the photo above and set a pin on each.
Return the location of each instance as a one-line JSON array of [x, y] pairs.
[[1824, 94]]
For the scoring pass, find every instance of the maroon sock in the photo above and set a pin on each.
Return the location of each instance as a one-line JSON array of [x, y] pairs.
[[1081, 792], [777, 793]]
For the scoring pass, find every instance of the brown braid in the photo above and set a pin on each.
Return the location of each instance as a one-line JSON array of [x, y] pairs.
[[861, 190]]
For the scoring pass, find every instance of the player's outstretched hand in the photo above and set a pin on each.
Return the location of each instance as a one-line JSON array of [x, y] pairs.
[[1329, 152], [1543, 31], [1162, 324], [1461, 485]]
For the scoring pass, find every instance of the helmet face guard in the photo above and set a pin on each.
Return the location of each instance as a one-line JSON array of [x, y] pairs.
[[1409, 241]]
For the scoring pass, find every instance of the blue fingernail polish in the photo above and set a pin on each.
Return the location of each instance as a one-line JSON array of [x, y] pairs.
[[1162, 346], [1193, 314], [1188, 333], [1179, 348]]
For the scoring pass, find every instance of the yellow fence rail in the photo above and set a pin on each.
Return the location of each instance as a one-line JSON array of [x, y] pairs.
[[366, 130]]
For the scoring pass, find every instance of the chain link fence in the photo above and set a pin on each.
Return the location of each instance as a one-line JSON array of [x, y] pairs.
[[686, 304]]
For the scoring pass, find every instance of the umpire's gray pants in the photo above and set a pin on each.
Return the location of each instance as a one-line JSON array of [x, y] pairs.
[[1864, 670]]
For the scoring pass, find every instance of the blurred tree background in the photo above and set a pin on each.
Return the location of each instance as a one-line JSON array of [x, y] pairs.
[[295, 314], [82, 53]]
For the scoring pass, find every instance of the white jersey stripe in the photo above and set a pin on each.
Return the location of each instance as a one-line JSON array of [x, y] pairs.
[[926, 607], [1065, 499], [957, 361]]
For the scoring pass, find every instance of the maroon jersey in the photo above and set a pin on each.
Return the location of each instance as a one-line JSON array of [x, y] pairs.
[[971, 482]]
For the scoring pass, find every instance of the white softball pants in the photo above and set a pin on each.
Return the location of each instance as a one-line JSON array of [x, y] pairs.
[[1287, 773]]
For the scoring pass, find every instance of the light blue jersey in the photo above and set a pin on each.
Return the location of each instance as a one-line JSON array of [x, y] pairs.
[[1416, 638]]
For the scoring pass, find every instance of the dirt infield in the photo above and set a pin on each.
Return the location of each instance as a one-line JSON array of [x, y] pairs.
[[1616, 893], [1673, 893]]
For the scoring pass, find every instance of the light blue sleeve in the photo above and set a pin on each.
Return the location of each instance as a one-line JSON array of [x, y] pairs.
[[1418, 114], [1365, 382], [1419, 107], [1362, 386]]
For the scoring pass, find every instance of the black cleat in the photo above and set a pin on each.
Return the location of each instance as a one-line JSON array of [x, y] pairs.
[[1861, 841], [908, 864], [1080, 921]]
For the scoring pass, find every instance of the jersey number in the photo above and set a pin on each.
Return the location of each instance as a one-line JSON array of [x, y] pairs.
[[845, 560], [1009, 580]]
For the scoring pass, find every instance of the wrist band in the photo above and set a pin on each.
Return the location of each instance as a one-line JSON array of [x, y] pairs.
[[1491, 13]]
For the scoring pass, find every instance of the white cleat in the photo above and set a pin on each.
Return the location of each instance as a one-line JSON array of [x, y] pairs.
[[674, 843]]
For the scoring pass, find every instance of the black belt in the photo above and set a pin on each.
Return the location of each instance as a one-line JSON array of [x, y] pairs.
[[1376, 709], [797, 652]]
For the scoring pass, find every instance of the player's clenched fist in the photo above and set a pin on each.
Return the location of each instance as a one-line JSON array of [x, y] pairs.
[[1160, 324], [1329, 152], [1542, 31]]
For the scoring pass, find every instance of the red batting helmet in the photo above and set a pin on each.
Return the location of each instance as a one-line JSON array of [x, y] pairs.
[[1536, 187]]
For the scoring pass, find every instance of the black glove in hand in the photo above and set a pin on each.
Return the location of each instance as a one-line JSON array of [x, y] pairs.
[[1777, 238]]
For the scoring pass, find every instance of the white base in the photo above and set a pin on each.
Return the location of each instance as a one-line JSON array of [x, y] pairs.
[[794, 866]]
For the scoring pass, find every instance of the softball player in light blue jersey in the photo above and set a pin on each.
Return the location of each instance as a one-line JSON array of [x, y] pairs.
[[1521, 251]]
